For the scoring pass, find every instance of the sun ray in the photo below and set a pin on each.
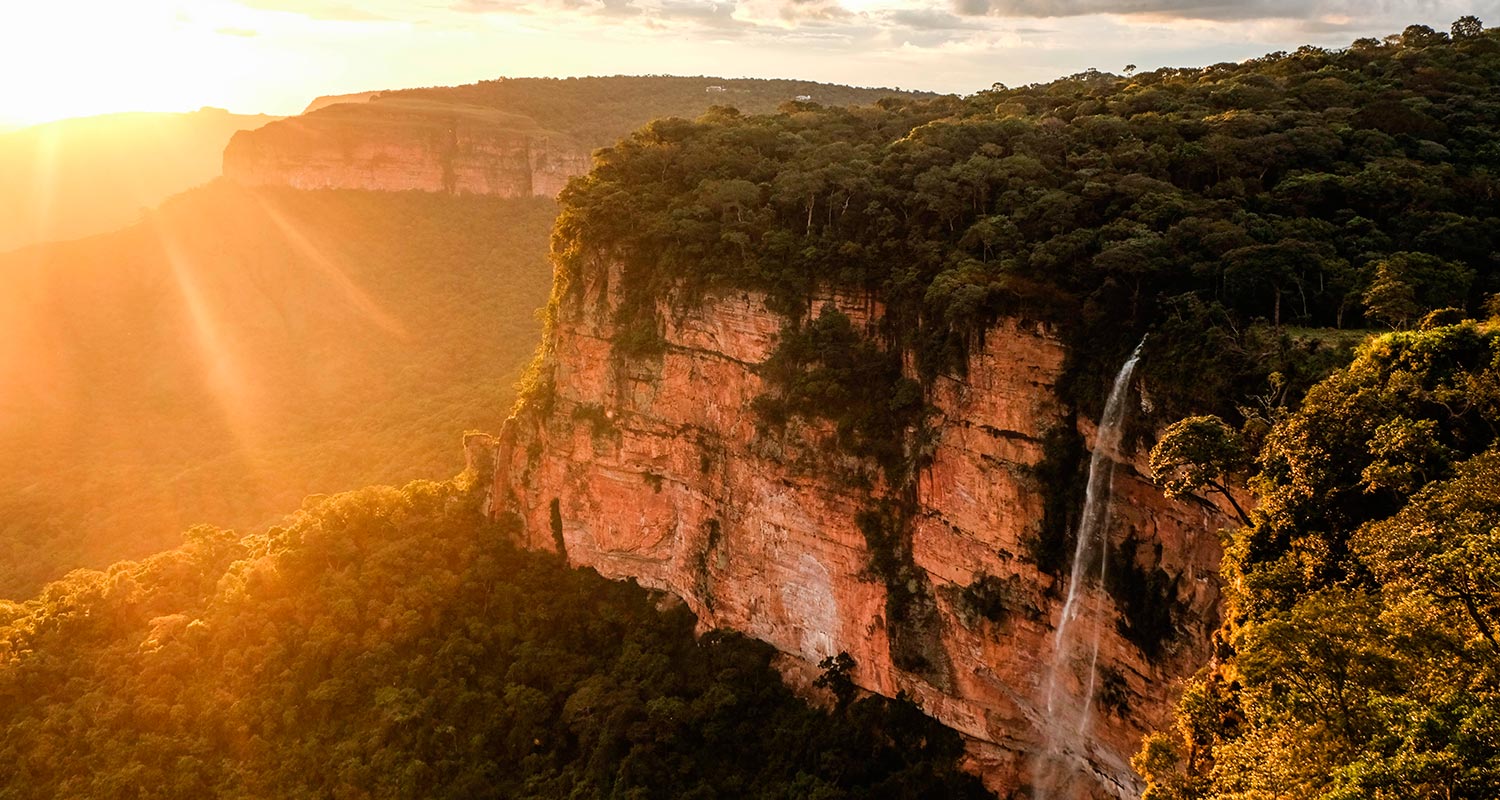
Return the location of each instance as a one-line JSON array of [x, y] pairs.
[[224, 374], [44, 165], [355, 296]]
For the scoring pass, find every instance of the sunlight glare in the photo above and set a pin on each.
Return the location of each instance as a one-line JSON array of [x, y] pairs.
[[225, 377], [356, 297], [88, 57]]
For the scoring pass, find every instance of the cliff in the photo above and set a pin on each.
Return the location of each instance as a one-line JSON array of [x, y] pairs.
[[400, 145], [657, 468], [324, 101]]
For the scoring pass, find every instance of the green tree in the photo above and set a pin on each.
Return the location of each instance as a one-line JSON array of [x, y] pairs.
[[1390, 299], [1443, 549], [1408, 284], [1197, 453], [1358, 654], [1467, 27]]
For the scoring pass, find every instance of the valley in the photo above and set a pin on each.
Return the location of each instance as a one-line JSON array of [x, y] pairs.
[[1123, 435]]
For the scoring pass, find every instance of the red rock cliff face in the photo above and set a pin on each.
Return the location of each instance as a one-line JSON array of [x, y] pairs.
[[659, 471], [404, 145]]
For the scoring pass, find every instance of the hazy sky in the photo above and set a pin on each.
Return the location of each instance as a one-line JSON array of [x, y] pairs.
[[63, 58]]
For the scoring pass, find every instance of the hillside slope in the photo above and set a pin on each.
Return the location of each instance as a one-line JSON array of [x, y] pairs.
[[242, 347], [84, 176], [238, 350], [1358, 654], [597, 111]]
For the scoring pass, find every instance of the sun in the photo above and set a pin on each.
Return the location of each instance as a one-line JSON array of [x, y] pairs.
[[72, 58]]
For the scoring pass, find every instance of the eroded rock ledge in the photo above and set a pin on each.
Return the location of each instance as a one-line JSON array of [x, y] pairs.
[[407, 145]]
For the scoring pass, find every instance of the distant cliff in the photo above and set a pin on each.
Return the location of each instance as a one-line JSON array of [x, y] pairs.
[[656, 467], [512, 137], [402, 145], [327, 100]]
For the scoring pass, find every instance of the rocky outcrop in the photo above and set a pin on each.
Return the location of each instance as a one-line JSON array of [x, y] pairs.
[[403, 145], [324, 101], [657, 468]]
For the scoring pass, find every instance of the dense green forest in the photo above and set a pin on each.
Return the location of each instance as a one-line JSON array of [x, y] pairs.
[[1260, 221], [238, 350], [1216, 206], [391, 643], [1359, 657], [598, 111]]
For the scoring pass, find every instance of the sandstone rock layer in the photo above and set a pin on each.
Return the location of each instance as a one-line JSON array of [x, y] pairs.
[[406, 145], [658, 469]]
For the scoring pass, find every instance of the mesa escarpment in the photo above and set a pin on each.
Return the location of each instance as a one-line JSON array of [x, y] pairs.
[[657, 466], [403, 145], [511, 137]]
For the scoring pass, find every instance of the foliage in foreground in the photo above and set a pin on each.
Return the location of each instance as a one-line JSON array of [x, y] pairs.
[[1360, 656], [390, 643]]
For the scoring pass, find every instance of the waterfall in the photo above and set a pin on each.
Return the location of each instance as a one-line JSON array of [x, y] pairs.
[[1068, 714]]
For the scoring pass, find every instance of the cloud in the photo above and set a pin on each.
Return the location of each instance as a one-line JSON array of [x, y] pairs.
[[319, 9], [1210, 10], [711, 15], [1077, 33], [668, 9], [243, 33], [927, 19], [717, 16], [490, 7], [810, 10], [619, 8]]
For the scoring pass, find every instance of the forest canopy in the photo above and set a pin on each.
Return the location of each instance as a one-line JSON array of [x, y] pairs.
[[1359, 653], [1317, 188], [391, 643]]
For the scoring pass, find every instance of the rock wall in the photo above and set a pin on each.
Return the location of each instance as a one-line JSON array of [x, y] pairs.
[[401, 146], [656, 469]]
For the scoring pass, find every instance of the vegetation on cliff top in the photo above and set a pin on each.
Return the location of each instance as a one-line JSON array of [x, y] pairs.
[[1324, 188], [391, 643], [1216, 207], [1245, 214], [597, 111]]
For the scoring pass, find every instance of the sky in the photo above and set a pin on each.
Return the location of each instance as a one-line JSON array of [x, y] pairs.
[[66, 58]]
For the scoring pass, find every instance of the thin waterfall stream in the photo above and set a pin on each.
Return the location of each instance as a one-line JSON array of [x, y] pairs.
[[1068, 714]]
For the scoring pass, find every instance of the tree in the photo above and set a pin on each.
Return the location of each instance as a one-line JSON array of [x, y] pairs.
[[1421, 36], [1390, 299], [1467, 27], [1197, 453], [1407, 284], [1445, 546], [838, 678], [1278, 267], [1406, 455]]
